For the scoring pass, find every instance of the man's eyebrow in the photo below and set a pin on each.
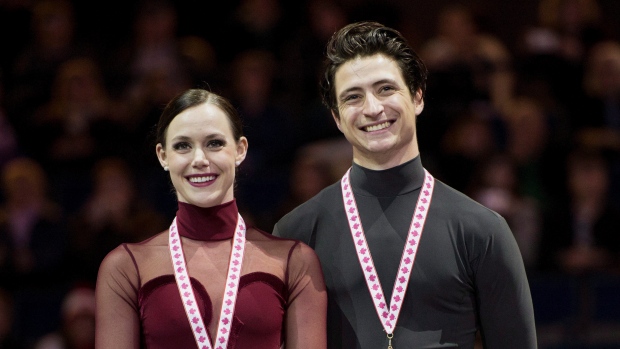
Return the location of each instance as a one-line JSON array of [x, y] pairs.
[[349, 90], [374, 84], [385, 81]]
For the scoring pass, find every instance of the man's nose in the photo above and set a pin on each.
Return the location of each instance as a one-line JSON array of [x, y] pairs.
[[372, 106]]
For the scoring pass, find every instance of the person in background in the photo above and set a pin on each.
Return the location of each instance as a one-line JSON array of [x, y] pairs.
[[32, 246], [77, 322], [581, 235], [262, 185], [210, 280], [75, 127], [8, 337], [408, 261], [495, 185], [114, 212]]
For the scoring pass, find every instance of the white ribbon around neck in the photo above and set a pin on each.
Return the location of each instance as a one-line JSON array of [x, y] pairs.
[[230, 292], [387, 315]]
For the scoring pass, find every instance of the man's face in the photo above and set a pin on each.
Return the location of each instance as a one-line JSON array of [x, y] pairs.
[[377, 111]]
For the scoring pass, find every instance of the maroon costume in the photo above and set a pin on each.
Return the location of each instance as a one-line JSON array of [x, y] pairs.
[[281, 279]]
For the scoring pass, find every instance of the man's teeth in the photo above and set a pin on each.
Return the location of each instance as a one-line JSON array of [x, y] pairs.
[[201, 179], [377, 127]]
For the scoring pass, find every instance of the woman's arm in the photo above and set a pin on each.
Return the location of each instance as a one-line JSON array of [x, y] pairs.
[[117, 315], [307, 304]]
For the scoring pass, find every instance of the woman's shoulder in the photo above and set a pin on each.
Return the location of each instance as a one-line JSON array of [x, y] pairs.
[[130, 251], [288, 246]]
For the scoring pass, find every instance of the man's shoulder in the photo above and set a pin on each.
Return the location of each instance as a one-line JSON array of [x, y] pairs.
[[459, 205], [301, 220], [329, 196]]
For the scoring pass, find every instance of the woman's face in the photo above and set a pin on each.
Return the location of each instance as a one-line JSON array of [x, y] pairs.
[[200, 153]]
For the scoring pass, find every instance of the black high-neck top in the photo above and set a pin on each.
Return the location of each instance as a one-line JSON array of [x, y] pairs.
[[398, 180]]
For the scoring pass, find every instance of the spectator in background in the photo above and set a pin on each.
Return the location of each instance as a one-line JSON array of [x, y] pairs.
[[466, 145], [324, 17], [32, 246], [14, 17], [315, 166], [148, 68], [113, 213], [74, 127], [581, 235], [565, 28], [8, 339], [460, 43], [601, 84], [597, 122], [538, 160], [77, 322], [302, 63], [152, 65], [52, 41], [32, 235], [9, 147], [262, 181], [553, 51], [467, 66], [495, 184], [257, 25], [200, 58]]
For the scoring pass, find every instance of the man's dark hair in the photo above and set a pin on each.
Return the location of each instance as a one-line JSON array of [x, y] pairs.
[[363, 39]]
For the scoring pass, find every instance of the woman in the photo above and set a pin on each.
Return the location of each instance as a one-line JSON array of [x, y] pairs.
[[144, 299]]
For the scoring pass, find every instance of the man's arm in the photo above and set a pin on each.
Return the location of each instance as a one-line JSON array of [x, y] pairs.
[[503, 292]]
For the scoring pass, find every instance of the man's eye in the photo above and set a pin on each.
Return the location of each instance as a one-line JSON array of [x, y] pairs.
[[351, 98], [386, 88]]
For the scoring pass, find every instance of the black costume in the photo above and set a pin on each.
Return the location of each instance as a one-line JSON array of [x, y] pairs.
[[468, 274]]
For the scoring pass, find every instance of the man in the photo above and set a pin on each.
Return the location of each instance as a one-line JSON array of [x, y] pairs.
[[384, 292]]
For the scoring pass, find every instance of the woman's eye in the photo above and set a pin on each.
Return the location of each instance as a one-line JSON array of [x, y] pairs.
[[215, 143], [181, 146]]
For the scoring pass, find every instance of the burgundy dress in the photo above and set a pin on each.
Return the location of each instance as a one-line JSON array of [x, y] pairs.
[[281, 286]]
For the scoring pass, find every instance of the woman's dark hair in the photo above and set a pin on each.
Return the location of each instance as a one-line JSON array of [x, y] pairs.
[[192, 98], [363, 39]]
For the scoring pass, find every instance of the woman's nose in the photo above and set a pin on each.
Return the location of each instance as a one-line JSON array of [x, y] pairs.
[[200, 159]]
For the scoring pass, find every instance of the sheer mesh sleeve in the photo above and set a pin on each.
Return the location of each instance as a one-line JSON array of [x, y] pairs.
[[117, 315], [307, 300]]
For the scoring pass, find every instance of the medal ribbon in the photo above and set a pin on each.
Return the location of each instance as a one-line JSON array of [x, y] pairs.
[[187, 293], [387, 315]]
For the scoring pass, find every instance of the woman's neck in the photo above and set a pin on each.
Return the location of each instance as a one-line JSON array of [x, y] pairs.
[[207, 223]]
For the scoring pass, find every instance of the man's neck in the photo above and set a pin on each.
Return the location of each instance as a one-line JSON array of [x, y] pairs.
[[380, 162], [394, 181]]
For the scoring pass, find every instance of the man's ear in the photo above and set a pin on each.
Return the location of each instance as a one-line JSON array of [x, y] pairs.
[[419, 102], [336, 119]]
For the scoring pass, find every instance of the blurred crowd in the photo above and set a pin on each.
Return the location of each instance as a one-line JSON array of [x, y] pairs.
[[529, 128]]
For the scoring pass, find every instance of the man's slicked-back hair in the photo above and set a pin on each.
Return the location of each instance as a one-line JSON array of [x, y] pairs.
[[363, 39]]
